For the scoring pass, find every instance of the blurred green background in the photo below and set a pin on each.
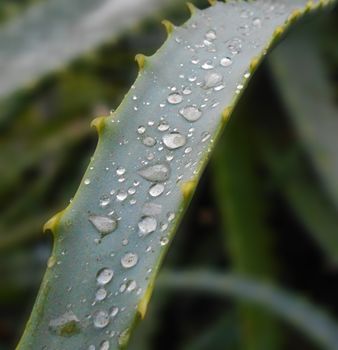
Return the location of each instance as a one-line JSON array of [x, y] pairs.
[[265, 207]]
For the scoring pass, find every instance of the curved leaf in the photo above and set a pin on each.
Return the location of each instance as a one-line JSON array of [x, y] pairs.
[[112, 238]]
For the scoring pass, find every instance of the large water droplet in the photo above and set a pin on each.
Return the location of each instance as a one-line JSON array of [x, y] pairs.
[[103, 224], [156, 190], [174, 140], [101, 319], [191, 113], [66, 325], [104, 276], [156, 173], [175, 98], [129, 260], [147, 224], [212, 79]]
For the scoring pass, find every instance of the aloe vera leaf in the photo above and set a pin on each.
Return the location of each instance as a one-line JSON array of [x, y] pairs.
[[123, 168], [51, 33], [309, 98], [320, 327], [249, 244]]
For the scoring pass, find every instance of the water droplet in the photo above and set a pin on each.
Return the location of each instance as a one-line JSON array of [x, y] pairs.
[[226, 61], [86, 181], [191, 113], [175, 98], [141, 130], [104, 201], [129, 260], [130, 286], [104, 345], [149, 141], [171, 216], [101, 294], [114, 311], [104, 276], [212, 79], [121, 195], [120, 171], [257, 22], [205, 136], [234, 45], [163, 126], [211, 35], [186, 91], [66, 325], [174, 140], [101, 319], [147, 224], [156, 190], [103, 224], [164, 241], [156, 173], [207, 65]]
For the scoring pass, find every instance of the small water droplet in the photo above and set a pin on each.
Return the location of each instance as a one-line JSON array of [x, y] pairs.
[[212, 79], [175, 98], [104, 345], [234, 45], [86, 181], [101, 294], [149, 141], [101, 319], [103, 224], [226, 61], [104, 201], [207, 65], [104, 276], [205, 136], [174, 140], [121, 195], [141, 130], [147, 225], [114, 311], [191, 113], [164, 241], [129, 260], [156, 190], [156, 173], [211, 35], [120, 171], [163, 126]]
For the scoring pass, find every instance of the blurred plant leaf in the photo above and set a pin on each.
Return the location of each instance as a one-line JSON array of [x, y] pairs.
[[302, 79], [249, 241], [307, 318], [48, 35]]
